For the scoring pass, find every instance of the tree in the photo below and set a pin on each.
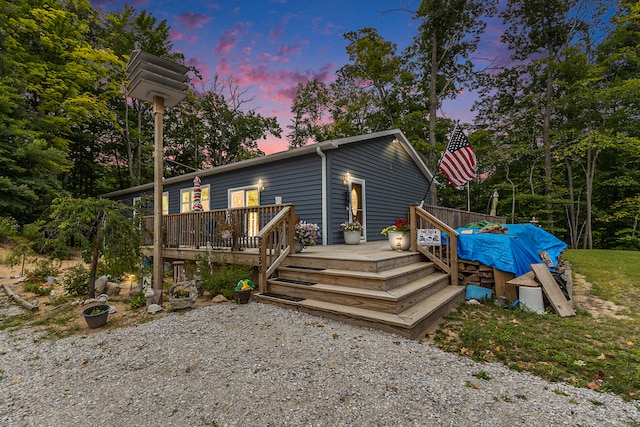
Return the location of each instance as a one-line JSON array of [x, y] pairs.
[[106, 231], [449, 33], [310, 106], [211, 128], [538, 34]]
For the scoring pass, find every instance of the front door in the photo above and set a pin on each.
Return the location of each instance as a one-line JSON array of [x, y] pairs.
[[357, 203]]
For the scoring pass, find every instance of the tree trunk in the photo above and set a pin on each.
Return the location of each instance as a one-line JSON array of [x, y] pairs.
[[546, 142], [95, 256], [433, 109], [571, 209], [590, 172]]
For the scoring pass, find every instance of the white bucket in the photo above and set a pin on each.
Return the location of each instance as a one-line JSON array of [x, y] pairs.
[[532, 299]]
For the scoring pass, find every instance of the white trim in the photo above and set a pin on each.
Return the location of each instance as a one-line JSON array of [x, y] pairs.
[[323, 231], [244, 189], [364, 204]]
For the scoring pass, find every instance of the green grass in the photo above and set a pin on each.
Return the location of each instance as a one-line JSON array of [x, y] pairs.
[[600, 353]]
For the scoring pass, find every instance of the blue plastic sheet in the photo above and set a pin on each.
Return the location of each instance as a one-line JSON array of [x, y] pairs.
[[513, 252]]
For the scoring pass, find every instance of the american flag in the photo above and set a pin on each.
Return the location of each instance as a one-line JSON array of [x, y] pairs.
[[458, 163]]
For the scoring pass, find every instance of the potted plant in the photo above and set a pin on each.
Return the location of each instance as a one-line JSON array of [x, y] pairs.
[[306, 234], [352, 232], [96, 315], [398, 233], [225, 230], [183, 295], [242, 291]]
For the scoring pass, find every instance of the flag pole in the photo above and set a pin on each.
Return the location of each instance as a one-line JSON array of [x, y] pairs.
[[468, 197], [433, 174]]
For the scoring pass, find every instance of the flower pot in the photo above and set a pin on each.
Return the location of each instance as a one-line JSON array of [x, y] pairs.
[[179, 303], [96, 320], [399, 240], [242, 297], [352, 237], [299, 247]]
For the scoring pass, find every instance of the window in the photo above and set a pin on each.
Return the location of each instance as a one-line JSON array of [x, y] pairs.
[[186, 198], [144, 204], [246, 197]]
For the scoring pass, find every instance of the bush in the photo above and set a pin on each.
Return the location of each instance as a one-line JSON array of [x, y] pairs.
[[38, 287], [76, 280], [138, 301], [45, 268], [8, 229], [218, 276]]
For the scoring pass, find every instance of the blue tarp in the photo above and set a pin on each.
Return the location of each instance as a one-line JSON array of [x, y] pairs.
[[513, 252]]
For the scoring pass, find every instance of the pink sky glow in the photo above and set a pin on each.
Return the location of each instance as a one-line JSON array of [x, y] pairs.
[[270, 46]]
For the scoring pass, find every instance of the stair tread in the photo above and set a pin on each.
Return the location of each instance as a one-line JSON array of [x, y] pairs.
[[391, 294], [382, 275], [404, 319]]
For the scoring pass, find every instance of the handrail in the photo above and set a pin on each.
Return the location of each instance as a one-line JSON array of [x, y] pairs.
[[235, 228], [276, 242], [445, 255]]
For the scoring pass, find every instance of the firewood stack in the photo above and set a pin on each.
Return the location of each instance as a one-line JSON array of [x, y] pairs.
[[475, 273]]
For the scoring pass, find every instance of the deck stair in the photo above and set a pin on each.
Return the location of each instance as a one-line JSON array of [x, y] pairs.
[[403, 293]]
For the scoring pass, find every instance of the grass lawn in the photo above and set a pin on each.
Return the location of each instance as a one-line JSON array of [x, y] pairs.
[[601, 353]]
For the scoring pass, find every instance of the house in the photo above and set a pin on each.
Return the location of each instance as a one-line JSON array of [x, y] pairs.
[[372, 178]]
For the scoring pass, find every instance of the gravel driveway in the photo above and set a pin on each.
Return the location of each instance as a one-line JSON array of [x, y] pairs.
[[260, 365]]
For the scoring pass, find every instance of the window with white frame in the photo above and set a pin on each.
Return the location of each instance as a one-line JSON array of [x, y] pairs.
[[186, 198], [146, 206]]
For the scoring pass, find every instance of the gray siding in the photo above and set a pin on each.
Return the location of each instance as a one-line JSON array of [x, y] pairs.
[[392, 182]]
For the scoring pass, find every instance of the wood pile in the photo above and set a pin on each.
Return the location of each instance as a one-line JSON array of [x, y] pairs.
[[475, 273]]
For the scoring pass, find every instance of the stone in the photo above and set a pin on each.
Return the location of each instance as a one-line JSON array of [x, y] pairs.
[[154, 308], [113, 289], [219, 299], [101, 284]]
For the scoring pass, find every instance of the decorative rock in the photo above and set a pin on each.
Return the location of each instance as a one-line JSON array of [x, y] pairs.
[[112, 309], [219, 298], [102, 298], [154, 308], [101, 284], [113, 289]]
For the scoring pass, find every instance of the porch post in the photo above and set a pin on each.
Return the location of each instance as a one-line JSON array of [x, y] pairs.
[[158, 262]]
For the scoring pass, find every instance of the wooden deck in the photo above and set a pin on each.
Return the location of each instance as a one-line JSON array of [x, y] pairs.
[[367, 285]]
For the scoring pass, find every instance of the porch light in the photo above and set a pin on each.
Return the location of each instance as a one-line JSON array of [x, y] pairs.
[[163, 82], [261, 184], [347, 178]]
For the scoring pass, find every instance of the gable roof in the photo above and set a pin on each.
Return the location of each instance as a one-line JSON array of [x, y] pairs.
[[295, 152]]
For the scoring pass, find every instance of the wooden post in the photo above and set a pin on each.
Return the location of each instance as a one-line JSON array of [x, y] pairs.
[[158, 262]]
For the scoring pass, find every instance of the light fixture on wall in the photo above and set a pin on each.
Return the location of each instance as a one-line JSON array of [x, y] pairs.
[[261, 184], [347, 178]]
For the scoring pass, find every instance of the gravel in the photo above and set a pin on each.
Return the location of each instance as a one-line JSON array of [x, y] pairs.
[[261, 365]]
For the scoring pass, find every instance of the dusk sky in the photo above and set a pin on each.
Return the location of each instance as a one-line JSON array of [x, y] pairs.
[[269, 46]]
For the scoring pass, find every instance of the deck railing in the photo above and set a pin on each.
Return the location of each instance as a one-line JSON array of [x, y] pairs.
[[456, 218], [236, 228], [276, 242], [427, 238]]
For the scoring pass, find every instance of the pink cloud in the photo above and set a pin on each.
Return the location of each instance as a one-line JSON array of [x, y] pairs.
[[175, 35], [326, 29], [223, 67], [193, 20], [229, 39]]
